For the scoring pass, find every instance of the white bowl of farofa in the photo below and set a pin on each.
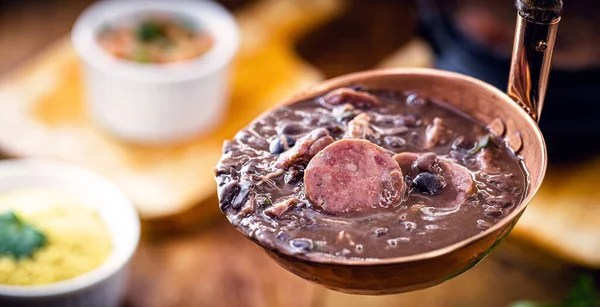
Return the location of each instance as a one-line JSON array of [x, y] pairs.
[[102, 285]]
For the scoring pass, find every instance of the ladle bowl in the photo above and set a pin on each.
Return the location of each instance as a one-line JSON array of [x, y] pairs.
[[512, 116], [476, 99]]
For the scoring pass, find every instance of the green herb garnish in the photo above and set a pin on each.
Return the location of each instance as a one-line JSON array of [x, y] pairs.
[[582, 294], [148, 31], [17, 238], [267, 202], [483, 142]]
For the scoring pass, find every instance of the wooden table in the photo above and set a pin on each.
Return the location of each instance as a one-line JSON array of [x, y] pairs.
[[213, 265]]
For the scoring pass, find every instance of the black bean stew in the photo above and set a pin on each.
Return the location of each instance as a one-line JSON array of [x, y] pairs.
[[365, 174]]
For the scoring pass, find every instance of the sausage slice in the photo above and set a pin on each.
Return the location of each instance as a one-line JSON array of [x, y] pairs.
[[350, 176]]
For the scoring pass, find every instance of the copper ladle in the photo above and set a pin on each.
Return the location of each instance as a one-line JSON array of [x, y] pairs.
[[537, 23]]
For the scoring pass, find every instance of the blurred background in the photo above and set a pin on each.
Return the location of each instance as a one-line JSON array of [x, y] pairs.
[[191, 256]]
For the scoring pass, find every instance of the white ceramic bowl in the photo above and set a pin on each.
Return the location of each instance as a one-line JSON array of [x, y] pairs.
[[156, 103], [103, 286]]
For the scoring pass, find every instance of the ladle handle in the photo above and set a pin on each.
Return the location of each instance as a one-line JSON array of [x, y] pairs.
[[537, 24]]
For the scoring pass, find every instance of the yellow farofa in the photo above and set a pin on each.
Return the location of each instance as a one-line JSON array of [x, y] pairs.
[[78, 240]]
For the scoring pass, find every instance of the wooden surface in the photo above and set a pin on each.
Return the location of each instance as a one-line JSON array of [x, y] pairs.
[[212, 264], [216, 266]]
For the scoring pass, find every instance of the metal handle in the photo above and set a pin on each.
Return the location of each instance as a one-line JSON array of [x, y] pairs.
[[537, 24]]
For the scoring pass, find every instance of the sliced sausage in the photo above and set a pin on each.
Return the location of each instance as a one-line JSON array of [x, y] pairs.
[[350, 96], [353, 176], [305, 148]]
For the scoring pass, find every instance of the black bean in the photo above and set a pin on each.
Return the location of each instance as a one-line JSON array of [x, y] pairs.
[[294, 174], [359, 88], [281, 236], [302, 244], [242, 195], [227, 193], [291, 129], [428, 183], [411, 120], [385, 119], [223, 169], [281, 144], [346, 116], [335, 129], [461, 144], [499, 202], [493, 212], [380, 232], [409, 226], [415, 100], [394, 141]]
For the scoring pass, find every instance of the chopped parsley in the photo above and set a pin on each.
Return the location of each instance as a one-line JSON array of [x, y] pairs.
[[17, 238], [149, 31]]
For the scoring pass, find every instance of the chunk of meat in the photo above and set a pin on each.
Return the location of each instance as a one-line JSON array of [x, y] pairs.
[[280, 207], [360, 127], [352, 176], [305, 148], [249, 207], [435, 134], [350, 96], [486, 162], [340, 110]]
